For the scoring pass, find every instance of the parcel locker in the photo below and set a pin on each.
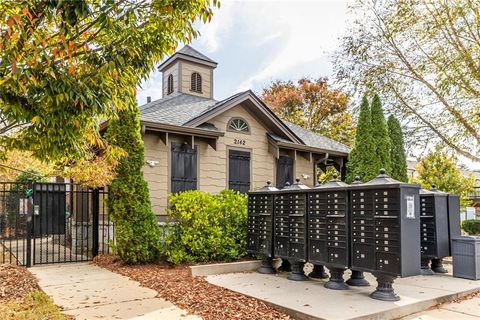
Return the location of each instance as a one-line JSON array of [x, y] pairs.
[[453, 218], [434, 230]]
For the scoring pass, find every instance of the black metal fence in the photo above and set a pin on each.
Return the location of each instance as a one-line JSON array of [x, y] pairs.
[[43, 223]]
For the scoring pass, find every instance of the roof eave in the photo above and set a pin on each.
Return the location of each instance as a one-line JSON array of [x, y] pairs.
[[156, 126], [182, 56], [301, 147]]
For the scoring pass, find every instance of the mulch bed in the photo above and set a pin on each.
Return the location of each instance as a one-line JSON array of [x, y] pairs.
[[15, 282], [193, 294]]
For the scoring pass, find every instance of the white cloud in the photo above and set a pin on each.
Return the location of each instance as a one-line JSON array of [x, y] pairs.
[[211, 34], [308, 31]]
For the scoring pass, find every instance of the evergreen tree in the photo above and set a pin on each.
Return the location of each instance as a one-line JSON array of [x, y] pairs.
[[380, 137], [137, 232], [397, 151], [361, 158]]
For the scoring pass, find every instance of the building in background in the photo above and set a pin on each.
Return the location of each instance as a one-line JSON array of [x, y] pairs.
[[193, 141]]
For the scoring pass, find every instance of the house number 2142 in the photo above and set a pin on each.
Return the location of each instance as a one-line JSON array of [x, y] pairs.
[[239, 141]]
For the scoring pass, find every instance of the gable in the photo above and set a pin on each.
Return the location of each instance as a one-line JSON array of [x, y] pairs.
[[254, 106], [222, 121]]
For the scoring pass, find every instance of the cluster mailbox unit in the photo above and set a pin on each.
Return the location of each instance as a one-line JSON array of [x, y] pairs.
[[434, 238], [290, 234], [367, 227], [385, 228], [439, 222], [260, 226], [328, 240]]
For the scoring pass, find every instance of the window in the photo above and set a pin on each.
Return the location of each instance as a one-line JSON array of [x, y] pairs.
[[184, 168], [170, 84], [196, 82], [238, 124]]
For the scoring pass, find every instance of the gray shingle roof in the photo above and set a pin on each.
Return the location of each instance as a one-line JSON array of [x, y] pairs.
[[189, 51], [179, 109], [176, 109], [316, 140]]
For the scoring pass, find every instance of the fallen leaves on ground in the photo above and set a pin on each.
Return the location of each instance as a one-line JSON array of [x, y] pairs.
[[469, 296], [15, 282], [193, 294]]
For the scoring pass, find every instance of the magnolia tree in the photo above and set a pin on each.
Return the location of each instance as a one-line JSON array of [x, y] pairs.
[[65, 65]]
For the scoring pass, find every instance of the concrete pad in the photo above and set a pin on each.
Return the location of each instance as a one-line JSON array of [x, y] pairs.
[[221, 268], [90, 292], [310, 300]]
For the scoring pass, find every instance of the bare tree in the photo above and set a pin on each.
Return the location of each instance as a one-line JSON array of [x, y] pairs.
[[423, 58]]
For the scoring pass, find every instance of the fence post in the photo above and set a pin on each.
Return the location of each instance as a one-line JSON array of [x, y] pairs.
[[29, 230], [95, 218]]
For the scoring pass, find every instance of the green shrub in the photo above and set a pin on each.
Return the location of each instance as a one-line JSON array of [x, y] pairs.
[[471, 227], [208, 227]]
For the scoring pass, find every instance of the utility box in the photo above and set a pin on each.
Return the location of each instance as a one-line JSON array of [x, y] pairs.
[[328, 239], [466, 257], [434, 229], [260, 221]]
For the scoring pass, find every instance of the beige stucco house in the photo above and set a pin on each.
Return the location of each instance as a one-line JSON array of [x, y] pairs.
[[193, 141]]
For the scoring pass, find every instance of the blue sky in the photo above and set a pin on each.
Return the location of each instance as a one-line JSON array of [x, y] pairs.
[[256, 42]]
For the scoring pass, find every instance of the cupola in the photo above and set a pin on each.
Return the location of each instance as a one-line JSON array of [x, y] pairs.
[[188, 71]]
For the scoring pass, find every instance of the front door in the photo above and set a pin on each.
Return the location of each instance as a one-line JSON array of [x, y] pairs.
[[284, 171], [239, 170]]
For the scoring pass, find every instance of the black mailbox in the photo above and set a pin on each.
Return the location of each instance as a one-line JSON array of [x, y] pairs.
[[434, 238], [290, 239], [328, 240], [385, 230], [260, 226]]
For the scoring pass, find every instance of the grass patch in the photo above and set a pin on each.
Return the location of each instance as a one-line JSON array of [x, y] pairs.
[[35, 305]]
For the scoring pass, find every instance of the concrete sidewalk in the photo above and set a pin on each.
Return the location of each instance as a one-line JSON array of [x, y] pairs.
[[90, 292], [463, 310]]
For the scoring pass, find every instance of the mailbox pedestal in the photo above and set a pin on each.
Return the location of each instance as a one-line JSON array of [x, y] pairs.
[[290, 240], [328, 230], [318, 272], [260, 226], [385, 231]]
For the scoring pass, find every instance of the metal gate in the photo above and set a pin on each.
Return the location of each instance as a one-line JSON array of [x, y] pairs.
[[43, 223]]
